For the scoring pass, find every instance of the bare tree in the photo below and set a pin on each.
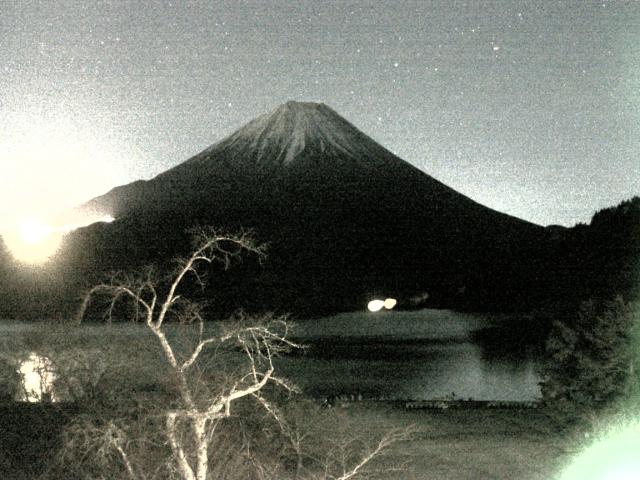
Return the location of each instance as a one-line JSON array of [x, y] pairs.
[[191, 422], [259, 342]]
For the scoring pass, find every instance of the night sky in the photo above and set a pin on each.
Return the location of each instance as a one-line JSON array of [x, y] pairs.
[[531, 108]]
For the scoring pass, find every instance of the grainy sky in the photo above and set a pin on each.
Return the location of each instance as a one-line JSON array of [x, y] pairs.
[[531, 108]]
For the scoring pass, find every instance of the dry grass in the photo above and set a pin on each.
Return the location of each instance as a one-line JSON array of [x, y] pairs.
[[466, 444], [448, 445]]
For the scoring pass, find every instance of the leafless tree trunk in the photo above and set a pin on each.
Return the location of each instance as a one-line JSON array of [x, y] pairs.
[[259, 342]]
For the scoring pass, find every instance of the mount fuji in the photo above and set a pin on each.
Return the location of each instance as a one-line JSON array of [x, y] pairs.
[[345, 220]]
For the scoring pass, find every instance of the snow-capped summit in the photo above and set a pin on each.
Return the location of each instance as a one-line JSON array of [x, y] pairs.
[[296, 126], [300, 133]]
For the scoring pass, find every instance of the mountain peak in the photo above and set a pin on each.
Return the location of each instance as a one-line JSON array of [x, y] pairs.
[[294, 105], [279, 137]]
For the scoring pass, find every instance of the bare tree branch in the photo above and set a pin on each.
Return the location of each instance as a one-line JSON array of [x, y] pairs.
[[259, 343], [189, 423]]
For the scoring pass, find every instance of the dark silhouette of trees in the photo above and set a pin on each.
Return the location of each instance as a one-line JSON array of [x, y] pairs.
[[592, 362]]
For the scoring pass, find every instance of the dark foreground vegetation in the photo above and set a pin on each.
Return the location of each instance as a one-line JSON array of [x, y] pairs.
[[445, 445], [175, 397], [592, 363], [31, 438], [590, 382]]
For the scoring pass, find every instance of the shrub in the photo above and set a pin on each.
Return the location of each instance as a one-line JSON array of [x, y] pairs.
[[592, 361]]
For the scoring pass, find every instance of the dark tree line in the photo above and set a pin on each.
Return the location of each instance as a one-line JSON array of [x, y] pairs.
[[316, 268], [592, 363], [605, 255], [592, 346]]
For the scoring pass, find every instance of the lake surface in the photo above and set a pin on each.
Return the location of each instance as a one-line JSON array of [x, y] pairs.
[[395, 355], [417, 355]]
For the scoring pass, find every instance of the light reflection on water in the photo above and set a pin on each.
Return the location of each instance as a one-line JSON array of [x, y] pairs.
[[392, 354], [37, 376]]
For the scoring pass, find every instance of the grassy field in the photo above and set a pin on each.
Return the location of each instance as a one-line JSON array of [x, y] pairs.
[[466, 444], [448, 445]]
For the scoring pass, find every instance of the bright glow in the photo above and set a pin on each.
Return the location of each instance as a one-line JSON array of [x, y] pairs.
[[389, 303], [33, 231], [375, 305], [38, 376], [51, 162], [83, 221], [32, 241], [54, 160], [613, 457]]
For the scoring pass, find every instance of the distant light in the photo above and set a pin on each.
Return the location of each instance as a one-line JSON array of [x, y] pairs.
[[375, 305], [33, 231], [32, 241], [389, 303]]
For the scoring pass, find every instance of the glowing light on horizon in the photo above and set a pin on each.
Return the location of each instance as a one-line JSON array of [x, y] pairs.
[[34, 241], [33, 231], [375, 305], [389, 303]]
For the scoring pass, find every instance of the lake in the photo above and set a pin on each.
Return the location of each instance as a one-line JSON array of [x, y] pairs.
[[395, 355], [416, 355]]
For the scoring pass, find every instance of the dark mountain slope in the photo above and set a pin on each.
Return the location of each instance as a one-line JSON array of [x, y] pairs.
[[301, 149], [345, 219]]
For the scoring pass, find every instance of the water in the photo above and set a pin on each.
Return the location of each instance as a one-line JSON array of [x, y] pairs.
[[418, 355], [412, 355]]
